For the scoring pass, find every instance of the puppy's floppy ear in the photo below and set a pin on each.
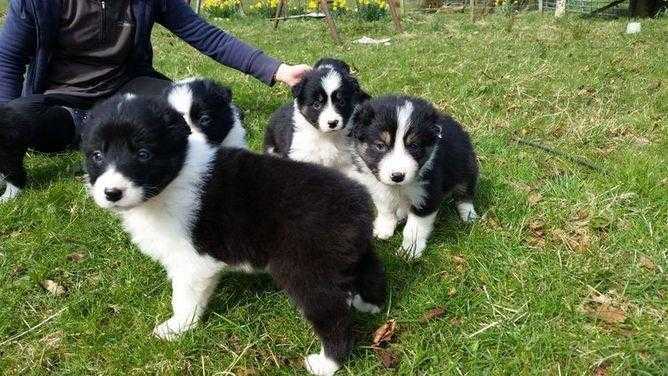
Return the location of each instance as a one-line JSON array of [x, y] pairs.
[[297, 88], [360, 95], [175, 124], [221, 93], [361, 119]]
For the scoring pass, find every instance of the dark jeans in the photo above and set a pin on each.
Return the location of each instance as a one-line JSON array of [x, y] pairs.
[[57, 119]]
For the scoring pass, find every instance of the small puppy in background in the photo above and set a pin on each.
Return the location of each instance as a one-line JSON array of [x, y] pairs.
[[199, 209], [410, 156], [14, 141], [18, 134], [314, 128], [207, 108]]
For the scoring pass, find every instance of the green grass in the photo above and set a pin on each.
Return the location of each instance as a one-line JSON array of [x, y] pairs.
[[524, 272]]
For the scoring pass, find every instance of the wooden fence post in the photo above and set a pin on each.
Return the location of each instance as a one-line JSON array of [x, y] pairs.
[[394, 12], [324, 8], [560, 8], [279, 11]]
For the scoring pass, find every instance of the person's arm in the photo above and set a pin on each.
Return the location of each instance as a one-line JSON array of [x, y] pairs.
[[180, 19], [17, 45]]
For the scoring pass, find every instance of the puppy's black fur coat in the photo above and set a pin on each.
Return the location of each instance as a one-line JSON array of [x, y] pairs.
[[309, 227]]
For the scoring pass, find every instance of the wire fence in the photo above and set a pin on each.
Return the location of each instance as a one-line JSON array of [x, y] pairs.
[[582, 7], [586, 7]]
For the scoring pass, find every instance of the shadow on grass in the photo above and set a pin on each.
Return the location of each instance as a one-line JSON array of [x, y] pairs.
[[45, 169]]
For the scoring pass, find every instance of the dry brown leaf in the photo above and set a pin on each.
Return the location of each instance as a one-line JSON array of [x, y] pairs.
[[577, 239], [610, 314], [53, 287], [601, 370], [492, 222], [460, 263], [75, 256], [54, 339], [383, 335], [647, 263], [537, 233], [534, 198], [456, 321], [609, 308], [433, 313], [387, 357]]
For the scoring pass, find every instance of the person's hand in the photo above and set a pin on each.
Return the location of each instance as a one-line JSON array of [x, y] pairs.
[[291, 74]]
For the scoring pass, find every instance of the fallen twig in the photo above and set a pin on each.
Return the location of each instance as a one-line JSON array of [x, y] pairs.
[[32, 328], [580, 161], [488, 326]]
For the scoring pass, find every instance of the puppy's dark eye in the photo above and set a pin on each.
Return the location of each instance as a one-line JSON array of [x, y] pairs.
[[317, 105], [205, 119], [97, 157], [143, 155], [380, 146]]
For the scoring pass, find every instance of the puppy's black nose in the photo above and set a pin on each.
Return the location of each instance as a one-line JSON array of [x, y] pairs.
[[397, 177], [113, 194], [333, 123]]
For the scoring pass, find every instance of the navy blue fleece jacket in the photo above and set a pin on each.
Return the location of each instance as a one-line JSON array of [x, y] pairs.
[[31, 27]]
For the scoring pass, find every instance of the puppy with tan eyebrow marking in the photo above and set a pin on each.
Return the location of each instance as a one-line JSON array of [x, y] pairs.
[[410, 157]]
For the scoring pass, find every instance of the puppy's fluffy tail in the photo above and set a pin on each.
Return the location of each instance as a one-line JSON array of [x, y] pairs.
[[370, 281]]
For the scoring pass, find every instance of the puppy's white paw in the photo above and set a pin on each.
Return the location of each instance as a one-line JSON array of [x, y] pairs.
[[321, 365], [11, 191], [363, 306], [383, 227], [467, 211], [171, 329], [412, 246]]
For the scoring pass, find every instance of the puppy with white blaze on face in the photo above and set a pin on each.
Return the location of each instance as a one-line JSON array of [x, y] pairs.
[[207, 107], [199, 209], [314, 128], [411, 156]]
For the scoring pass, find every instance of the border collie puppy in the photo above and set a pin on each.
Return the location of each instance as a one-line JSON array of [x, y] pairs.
[[14, 142], [314, 128], [17, 135], [410, 156], [199, 210], [207, 108]]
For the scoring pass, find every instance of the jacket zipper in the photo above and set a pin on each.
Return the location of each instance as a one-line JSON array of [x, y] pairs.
[[103, 32]]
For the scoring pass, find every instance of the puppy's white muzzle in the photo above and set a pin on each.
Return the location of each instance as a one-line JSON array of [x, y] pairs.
[[112, 189], [397, 168]]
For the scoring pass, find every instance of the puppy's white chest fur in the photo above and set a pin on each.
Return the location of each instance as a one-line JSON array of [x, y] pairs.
[[161, 227], [395, 198], [329, 149]]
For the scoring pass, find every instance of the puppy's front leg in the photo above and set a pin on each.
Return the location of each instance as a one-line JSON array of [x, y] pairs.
[[190, 295], [385, 222], [416, 232]]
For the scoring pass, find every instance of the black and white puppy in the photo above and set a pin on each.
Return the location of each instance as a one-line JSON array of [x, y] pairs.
[[199, 210], [410, 156], [207, 108], [14, 142], [18, 134], [314, 128]]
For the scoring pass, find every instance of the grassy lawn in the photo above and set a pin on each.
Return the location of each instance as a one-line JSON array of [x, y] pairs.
[[564, 274]]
